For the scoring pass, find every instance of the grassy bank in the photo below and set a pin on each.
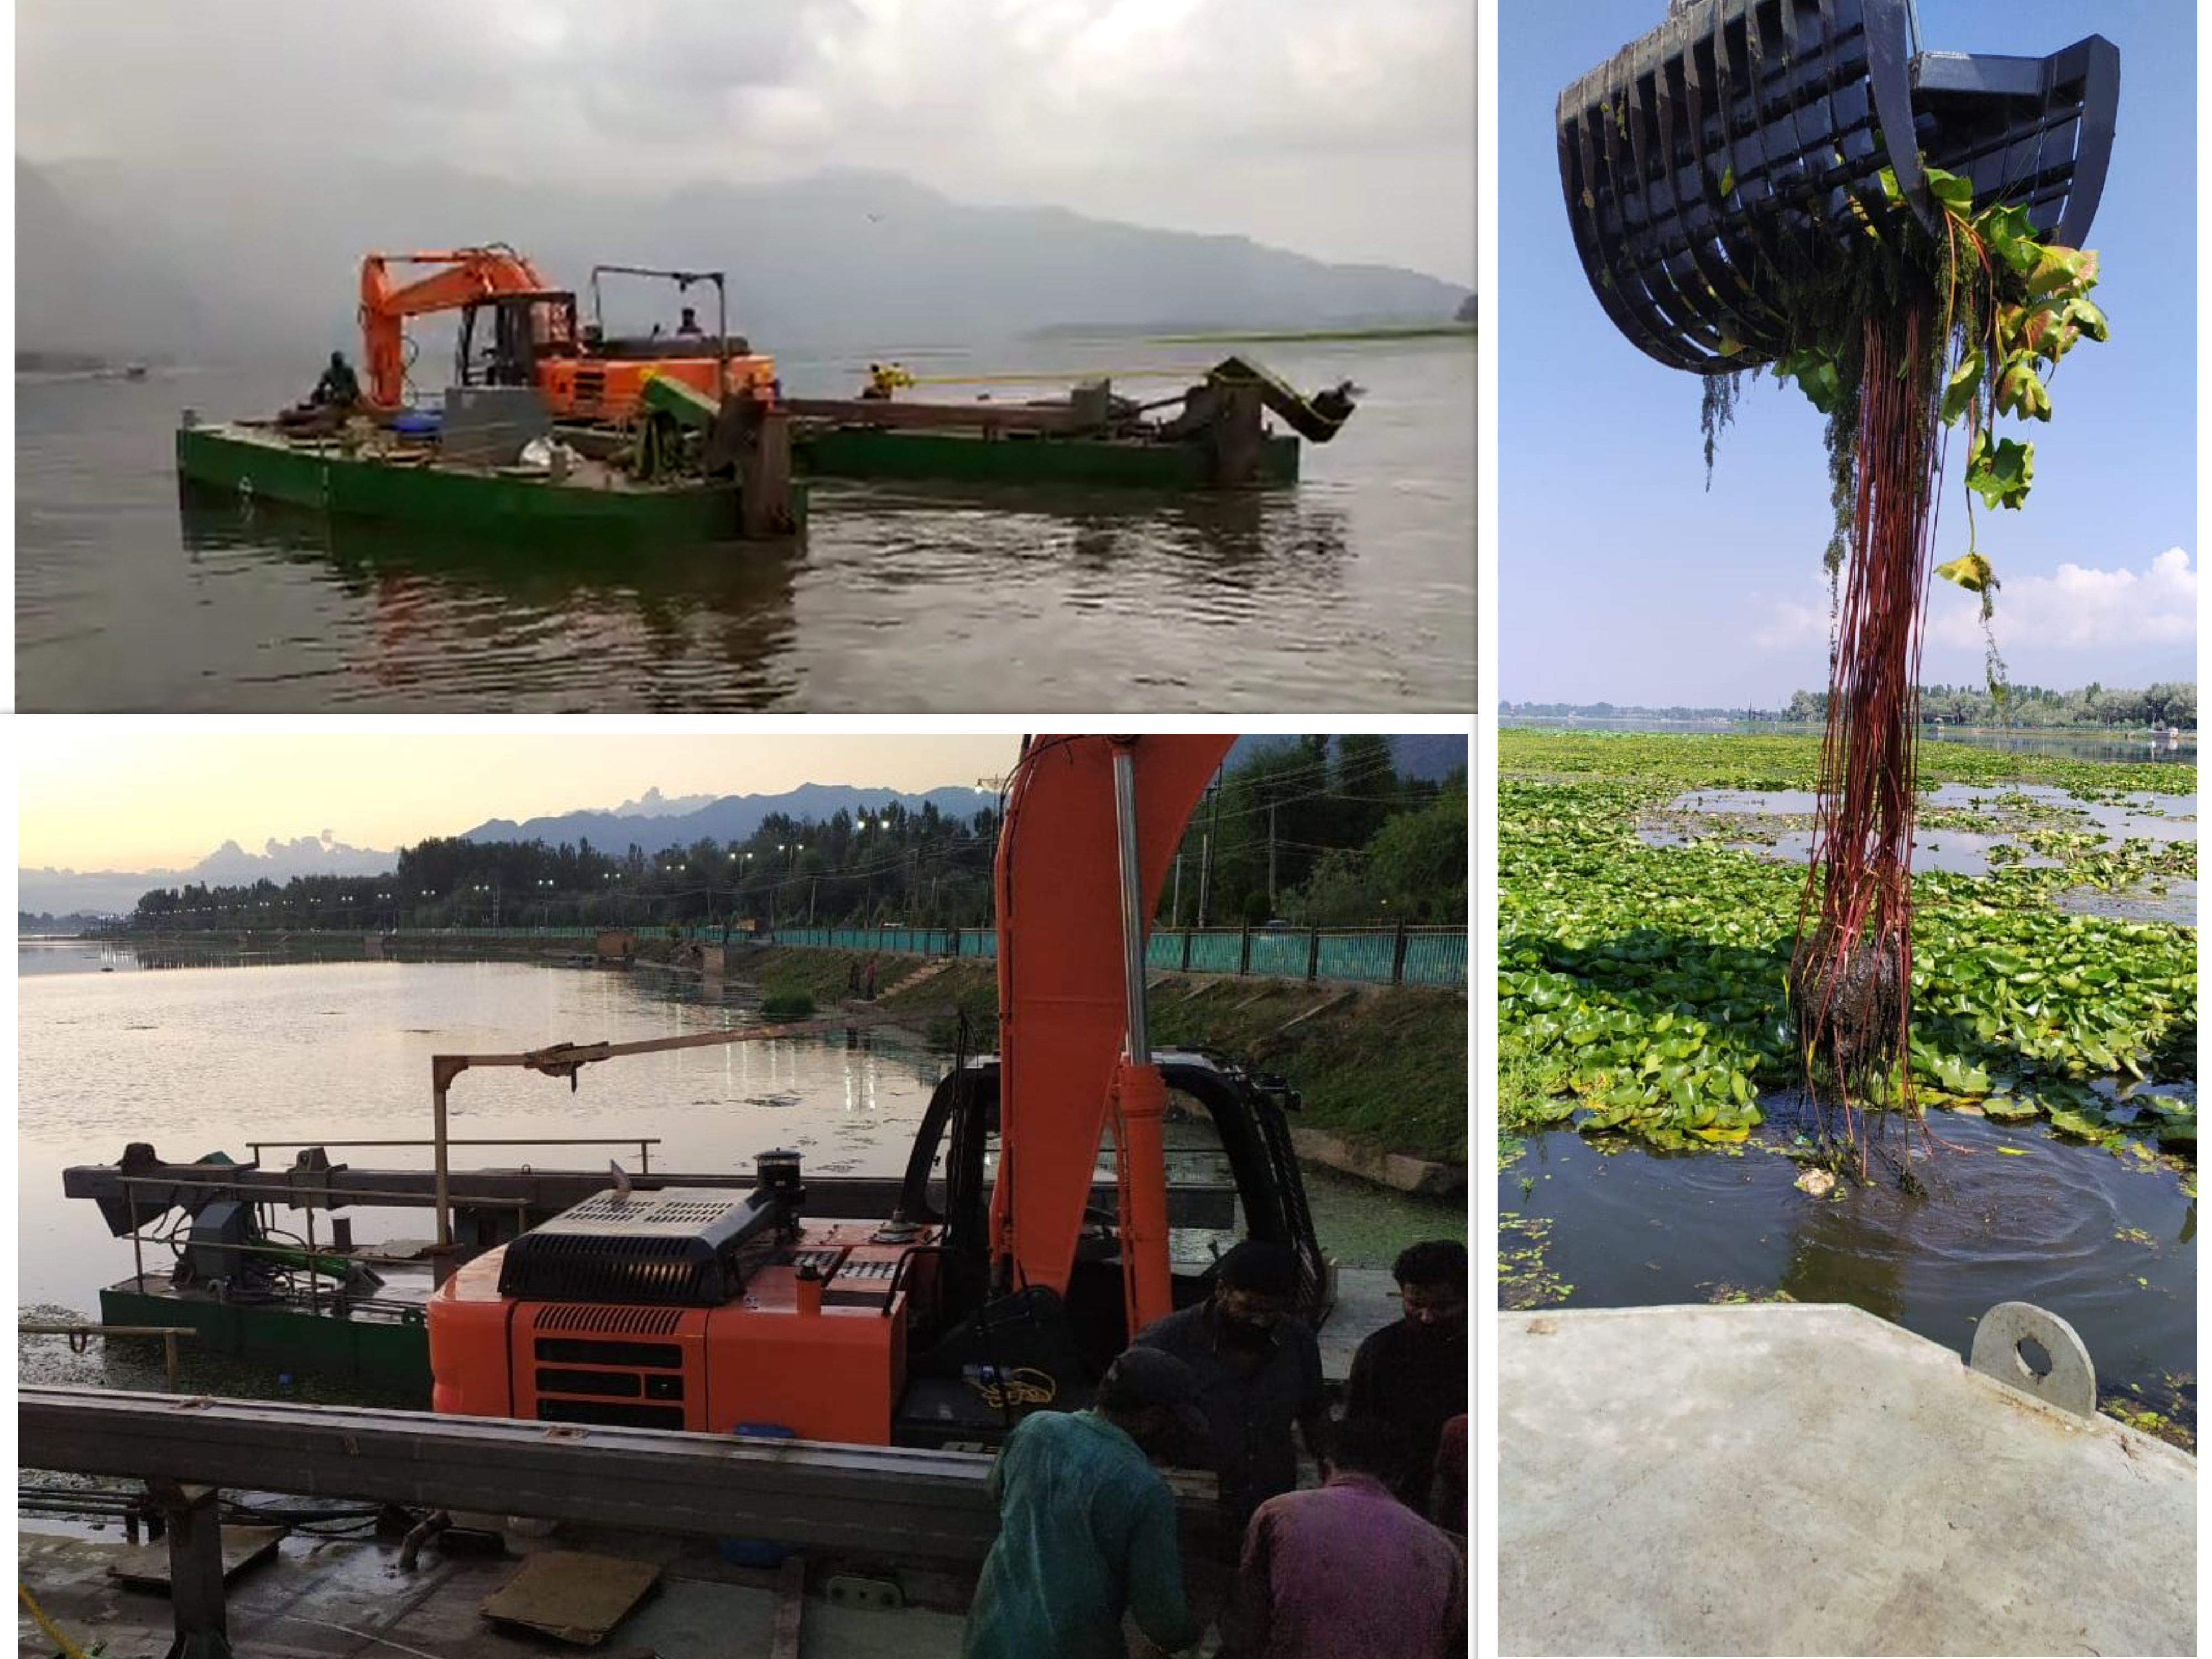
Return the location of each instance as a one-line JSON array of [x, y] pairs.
[[1384, 1065]]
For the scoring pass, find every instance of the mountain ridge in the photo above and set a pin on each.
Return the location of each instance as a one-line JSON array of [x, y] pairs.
[[851, 257]]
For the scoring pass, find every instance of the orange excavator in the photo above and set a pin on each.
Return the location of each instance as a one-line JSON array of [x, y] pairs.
[[518, 331], [978, 1297]]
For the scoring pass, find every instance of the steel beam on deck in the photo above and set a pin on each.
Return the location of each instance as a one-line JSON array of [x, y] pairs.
[[862, 1499], [542, 1193]]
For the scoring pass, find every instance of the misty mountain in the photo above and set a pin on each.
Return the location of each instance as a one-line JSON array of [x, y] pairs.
[[267, 248], [654, 805], [114, 892], [654, 822], [79, 288], [733, 817]]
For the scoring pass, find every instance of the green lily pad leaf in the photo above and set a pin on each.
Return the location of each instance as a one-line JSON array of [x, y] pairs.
[[1949, 188], [2021, 391], [2060, 269], [1970, 570], [1965, 380], [1815, 373], [2010, 237], [2086, 316], [2000, 472]]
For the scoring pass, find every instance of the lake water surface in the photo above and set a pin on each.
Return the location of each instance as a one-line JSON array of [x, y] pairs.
[[199, 1058], [1354, 590]]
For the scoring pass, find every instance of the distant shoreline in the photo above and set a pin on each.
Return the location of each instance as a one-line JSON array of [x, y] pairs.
[[1409, 332]]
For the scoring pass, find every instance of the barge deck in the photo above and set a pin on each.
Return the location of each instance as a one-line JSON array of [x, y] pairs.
[[384, 478]]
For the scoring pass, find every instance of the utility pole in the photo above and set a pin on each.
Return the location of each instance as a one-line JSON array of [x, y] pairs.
[[1271, 860], [1175, 912], [1205, 851]]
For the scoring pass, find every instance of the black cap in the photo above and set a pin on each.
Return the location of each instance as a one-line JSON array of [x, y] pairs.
[[1152, 1376]]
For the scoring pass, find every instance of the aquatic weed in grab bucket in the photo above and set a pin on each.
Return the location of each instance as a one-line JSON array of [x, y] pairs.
[[1790, 184]]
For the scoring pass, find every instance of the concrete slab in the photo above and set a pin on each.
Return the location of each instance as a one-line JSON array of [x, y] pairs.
[[1784, 1479], [1367, 1301]]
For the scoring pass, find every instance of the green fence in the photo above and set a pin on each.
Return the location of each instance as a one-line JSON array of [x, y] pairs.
[[1372, 956], [1375, 955]]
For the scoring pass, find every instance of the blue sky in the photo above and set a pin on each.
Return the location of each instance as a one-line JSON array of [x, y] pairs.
[[1622, 579]]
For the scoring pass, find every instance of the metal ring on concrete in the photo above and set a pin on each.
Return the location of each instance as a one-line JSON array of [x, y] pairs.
[[2033, 1349]]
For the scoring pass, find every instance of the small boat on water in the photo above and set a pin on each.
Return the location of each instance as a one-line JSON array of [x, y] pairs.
[[549, 424], [1218, 439], [379, 471]]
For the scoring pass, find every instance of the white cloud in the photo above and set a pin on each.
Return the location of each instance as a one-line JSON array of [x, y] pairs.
[[2078, 607], [1790, 625]]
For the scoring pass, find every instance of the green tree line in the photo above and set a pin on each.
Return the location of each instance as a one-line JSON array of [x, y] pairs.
[[1302, 831], [1319, 834], [2169, 703]]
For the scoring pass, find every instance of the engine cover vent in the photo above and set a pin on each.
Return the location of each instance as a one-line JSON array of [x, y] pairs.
[[678, 1247]]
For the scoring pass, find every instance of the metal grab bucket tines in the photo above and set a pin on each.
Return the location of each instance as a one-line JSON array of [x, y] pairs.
[[1740, 143]]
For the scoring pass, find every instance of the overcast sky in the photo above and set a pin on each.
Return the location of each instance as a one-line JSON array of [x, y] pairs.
[[94, 795], [1346, 132]]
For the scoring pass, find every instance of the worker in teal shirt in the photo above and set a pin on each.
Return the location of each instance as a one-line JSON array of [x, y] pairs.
[[1087, 1525]]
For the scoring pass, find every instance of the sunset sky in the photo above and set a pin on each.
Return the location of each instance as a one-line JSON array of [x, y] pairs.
[[97, 799]]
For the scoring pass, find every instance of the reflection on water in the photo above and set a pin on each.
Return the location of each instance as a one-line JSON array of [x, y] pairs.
[[303, 1047], [1776, 824], [2107, 1244], [432, 603], [1353, 589]]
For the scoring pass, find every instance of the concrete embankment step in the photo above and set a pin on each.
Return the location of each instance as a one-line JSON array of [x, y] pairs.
[[1787, 1479]]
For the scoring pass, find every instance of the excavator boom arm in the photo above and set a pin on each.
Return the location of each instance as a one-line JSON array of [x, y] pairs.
[[471, 273], [1063, 996]]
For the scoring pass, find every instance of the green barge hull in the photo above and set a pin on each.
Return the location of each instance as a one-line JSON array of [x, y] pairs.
[[258, 464], [390, 1352], [1013, 457]]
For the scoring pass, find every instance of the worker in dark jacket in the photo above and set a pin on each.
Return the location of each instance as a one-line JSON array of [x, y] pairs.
[[1348, 1571], [1259, 1374], [1413, 1374], [338, 388], [1086, 1525]]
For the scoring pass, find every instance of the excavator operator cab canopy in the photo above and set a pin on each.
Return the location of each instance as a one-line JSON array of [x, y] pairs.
[[665, 344], [503, 336]]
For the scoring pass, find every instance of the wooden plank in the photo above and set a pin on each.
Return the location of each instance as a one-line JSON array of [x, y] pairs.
[[572, 1596], [146, 1566]]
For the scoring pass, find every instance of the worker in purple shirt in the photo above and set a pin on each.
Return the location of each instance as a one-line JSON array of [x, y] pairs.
[[1347, 1571]]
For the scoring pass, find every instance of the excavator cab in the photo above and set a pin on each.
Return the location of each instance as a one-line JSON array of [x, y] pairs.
[[1741, 143], [504, 337], [1030, 1330]]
